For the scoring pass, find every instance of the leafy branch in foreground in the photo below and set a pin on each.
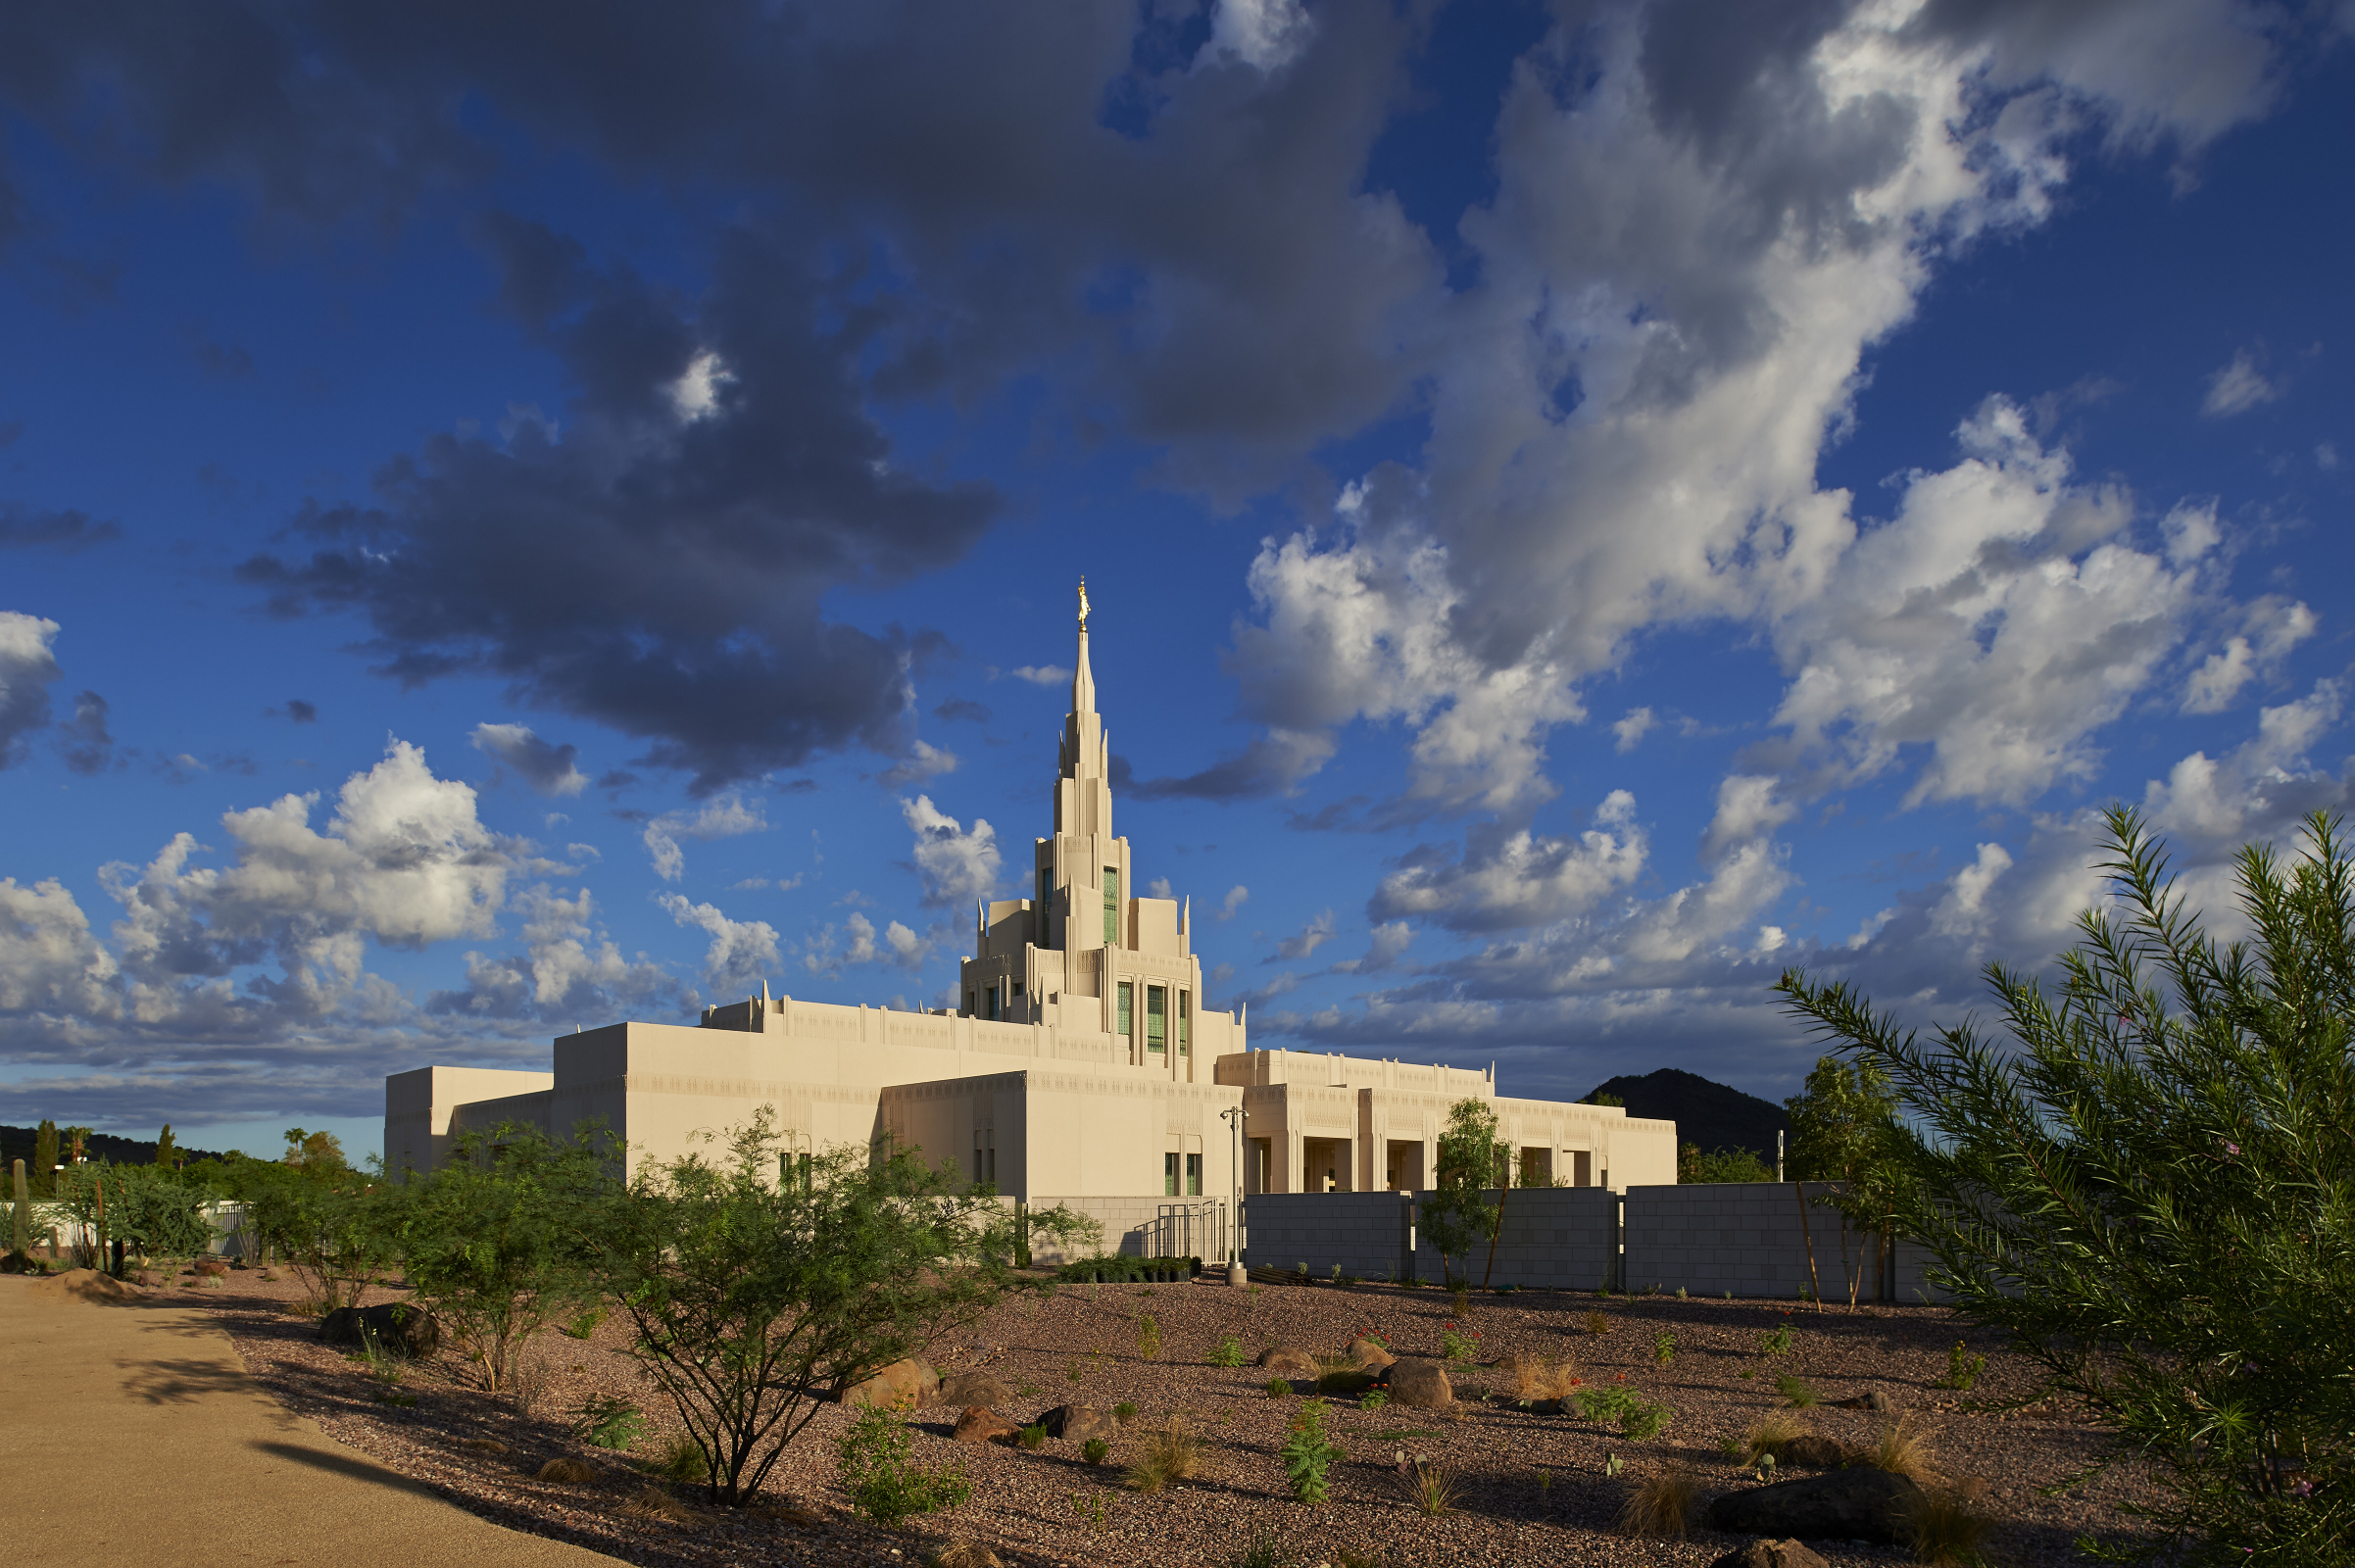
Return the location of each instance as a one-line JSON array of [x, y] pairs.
[[2150, 1186]]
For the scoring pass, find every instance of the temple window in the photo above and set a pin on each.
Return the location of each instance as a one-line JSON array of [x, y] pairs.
[[1156, 1023], [1169, 1176], [1126, 1027], [1194, 1175], [1112, 906], [1184, 1022]]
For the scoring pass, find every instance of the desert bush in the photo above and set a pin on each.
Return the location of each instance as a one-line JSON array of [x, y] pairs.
[[1032, 1437], [1277, 1389], [963, 1554], [1778, 1341], [330, 1224], [1597, 1322], [567, 1472], [752, 1300], [583, 1324], [2146, 1186], [1373, 1399], [1308, 1454], [1663, 1347], [1459, 1348], [604, 1422], [884, 1483], [1661, 1503], [1229, 1351], [682, 1460], [1096, 1450], [528, 1381], [1643, 1422], [1797, 1390], [1946, 1531], [1962, 1369], [1536, 1378], [1124, 1412], [1170, 1454], [1149, 1337]]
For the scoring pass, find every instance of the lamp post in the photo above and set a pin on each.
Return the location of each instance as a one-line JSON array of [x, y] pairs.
[[1233, 1116]]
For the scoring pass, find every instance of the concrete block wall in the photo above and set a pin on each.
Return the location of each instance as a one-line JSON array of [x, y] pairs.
[[1553, 1238], [1913, 1280], [1747, 1237], [1364, 1233]]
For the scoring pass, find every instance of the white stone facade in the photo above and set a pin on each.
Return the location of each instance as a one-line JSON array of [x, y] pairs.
[[1082, 1063]]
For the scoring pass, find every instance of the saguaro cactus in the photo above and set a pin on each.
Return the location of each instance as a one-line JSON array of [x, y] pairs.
[[21, 1232]]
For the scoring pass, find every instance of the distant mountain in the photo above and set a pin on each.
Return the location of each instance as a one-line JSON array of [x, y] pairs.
[[16, 1142], [1707, 1114]]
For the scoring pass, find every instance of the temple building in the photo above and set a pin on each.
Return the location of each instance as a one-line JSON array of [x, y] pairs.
[[1081, 1066]]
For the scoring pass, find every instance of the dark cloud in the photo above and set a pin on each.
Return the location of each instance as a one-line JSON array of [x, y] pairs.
[[660, 566], [547, 769], [10, 429], [83, 740], [66, 531], [297, 711], [956, 708], [26, 669]]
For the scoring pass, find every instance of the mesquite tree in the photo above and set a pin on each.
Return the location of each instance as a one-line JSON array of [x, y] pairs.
[[1473, 1163], [2150, 1185], [755, 1298]]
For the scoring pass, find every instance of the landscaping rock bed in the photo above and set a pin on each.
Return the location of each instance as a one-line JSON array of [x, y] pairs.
[[1530, 1488]]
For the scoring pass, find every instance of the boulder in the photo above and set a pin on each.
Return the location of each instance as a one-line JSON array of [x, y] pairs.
[[1811, 1450], [903, 1385], [1285, 1361], [981, 1424], [86, 1284], [963, 1389], [398, 1326], [1875, 1401], [1860, 1504], [1421, 1386], [1771, 1554], [1369, 1356], [1077, 1423]]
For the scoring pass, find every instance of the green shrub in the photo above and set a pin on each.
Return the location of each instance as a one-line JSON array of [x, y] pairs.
[[1604, 1405], [1308, 1454], [1096, 1450], [2146, 1186], [583, 1324], [1456, 1347], [1124, 1412], [1278, 1389], [1373, 1399], [1663, 1347], [1796, 1390], [1229, 1351], [1032, 1437], [884, 1483], [1149, 1337], [1962, 1369], [1642, 1421], [609, 1423]]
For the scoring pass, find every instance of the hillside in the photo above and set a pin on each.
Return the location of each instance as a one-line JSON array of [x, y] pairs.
[[16, 1142], [1705, 1112]]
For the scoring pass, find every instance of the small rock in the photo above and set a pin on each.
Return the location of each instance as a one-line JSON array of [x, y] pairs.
[[981, 1424], [1771, 1554], [1875, 1401], [1421, 1386], [1860, 1504], [1077, 1423], [975, 1387], [902, 1383], [1369, 1356], [1285, 1361], [1811, 1450]]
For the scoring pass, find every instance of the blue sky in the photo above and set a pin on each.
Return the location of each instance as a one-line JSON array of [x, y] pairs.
[[522, 520]]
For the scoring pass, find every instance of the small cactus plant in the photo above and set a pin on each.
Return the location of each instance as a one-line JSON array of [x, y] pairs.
[[20, 1243]]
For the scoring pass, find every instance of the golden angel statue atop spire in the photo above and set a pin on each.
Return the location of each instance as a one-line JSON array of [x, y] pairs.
[[1083, 604]]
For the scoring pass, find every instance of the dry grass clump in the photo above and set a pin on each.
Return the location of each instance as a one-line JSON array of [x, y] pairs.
[[1536, 1378], [1900, 1450], [1597, 1322], [1171, 1455], [1430, 1489], [1946, 1531], [567, 1472], [679, 1460], [963, 1553], [1340, 1374], [650, 1502], [484, 1445], [1771, 1433], [1661, 1505]]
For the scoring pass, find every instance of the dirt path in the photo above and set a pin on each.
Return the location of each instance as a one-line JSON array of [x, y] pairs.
[[126, 1429]]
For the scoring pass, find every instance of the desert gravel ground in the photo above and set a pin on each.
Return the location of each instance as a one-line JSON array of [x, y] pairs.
[[1532, 1488]]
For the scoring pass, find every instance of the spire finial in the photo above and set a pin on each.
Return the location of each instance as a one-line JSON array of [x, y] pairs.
[[1083, 604]]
